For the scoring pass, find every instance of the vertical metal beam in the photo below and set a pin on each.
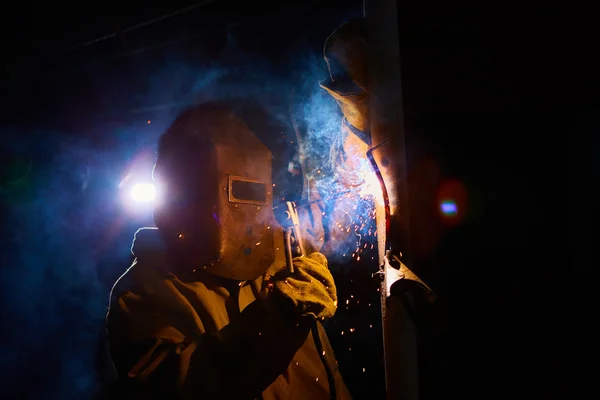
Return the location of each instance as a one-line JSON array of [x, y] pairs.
[[387, 131]]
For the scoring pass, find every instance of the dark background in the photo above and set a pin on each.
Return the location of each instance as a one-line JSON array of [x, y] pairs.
[[480, 94]]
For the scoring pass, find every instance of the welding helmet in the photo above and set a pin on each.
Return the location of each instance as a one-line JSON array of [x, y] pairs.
[[345, 53], [214, 194]]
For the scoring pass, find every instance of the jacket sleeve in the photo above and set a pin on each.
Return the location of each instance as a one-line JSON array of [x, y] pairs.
[[239, 361]]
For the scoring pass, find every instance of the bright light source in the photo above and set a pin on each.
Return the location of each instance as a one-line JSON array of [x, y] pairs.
[[142, 192]]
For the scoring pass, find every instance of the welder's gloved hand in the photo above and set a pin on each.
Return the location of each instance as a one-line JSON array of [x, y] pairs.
[[345, 53], [310, 289]]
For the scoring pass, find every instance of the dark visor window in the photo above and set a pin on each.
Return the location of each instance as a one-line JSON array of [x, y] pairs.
[[247, 192]]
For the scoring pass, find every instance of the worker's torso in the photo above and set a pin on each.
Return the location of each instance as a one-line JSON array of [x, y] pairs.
[[305, 376], [202, 303]]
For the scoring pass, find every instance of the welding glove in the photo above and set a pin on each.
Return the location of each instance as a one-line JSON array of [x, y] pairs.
[[345, 53], [310, 290]]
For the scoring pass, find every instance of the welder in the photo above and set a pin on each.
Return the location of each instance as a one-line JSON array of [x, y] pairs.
[[209, 309], [345, 53]]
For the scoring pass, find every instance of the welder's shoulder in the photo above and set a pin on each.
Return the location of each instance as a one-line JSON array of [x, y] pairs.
[[150, 263]]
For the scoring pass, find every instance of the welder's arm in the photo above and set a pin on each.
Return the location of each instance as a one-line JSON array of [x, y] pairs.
[[239, 361]]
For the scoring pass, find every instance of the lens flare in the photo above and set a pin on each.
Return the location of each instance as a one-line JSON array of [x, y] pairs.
[[143, 192], [452, 200], [448, 207]]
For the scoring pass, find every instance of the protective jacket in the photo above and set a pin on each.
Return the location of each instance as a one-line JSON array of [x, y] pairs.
[[198, 336]]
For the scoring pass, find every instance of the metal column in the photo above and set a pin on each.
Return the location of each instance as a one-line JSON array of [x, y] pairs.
[[387, 132]]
